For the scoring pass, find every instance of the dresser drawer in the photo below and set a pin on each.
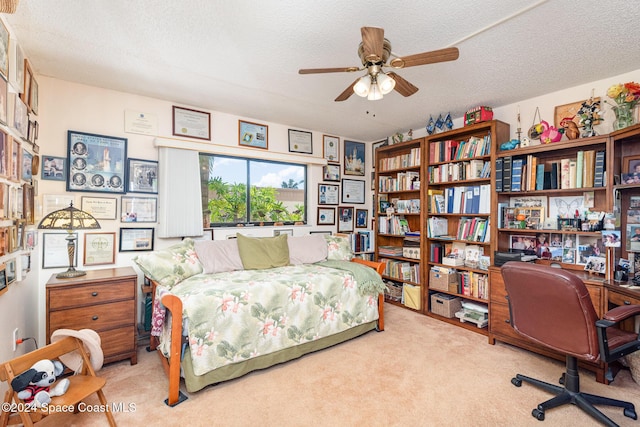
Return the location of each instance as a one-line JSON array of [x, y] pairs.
[[90, 294], [98, 317], [499, 321], [118, 341]]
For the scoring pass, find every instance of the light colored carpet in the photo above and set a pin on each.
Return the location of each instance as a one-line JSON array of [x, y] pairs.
[[418, 372]]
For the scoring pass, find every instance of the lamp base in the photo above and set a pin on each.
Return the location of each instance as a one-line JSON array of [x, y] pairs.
[[70, 274]]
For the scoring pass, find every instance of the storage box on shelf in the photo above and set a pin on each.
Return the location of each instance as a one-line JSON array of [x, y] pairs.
[[445, 305]]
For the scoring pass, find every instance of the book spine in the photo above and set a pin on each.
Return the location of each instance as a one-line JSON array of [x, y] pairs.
[[598, 176], [579, 168], [506, 174], [565, 174], [539, 177], [516, 175], [499, 174]]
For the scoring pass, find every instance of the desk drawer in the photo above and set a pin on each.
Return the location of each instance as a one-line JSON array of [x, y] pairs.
[[499, 321], [90, 294], [619, 299], [118, 341], [98, 317]]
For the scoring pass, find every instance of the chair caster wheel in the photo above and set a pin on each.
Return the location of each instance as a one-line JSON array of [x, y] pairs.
[[516, 382], [561, 380], [631, 413], [538, 414]]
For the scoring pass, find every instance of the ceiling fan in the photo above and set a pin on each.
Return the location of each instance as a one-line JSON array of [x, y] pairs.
[[374, 52]]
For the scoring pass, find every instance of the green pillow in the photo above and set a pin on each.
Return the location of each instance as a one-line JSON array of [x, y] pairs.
[[339, 248], [263, 252], [172, 265]]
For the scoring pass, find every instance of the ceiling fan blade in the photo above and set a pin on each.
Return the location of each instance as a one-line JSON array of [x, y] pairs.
[[441, 55], [347, 92], [372, 43], [327, 70], [403, 87]]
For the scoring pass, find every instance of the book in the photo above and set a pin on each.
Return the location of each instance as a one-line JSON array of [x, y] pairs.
[[598, 176], [565, 174], [573, 168], [579, 168], [516, 174], [589, 165], [506, 174], [540, 177], [499, 174]]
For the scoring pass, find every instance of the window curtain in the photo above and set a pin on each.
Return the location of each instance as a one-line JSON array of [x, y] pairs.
[[180, 209]]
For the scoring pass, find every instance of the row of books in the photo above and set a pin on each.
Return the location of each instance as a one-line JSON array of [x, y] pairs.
[[472, 229], [393, 224], [470, 199], [473, 284], [403, 271], [439, 251], [390, 250], [445, 151], [473, 169], [361, 241], [402, 161], [402, 181], [528, 173]]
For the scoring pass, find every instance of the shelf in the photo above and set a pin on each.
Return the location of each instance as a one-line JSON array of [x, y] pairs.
[[399, 191], [394, 171], [459, 267], [395, 279], [397, 236], [459, 214], [471, 242], [460, 182], [466, 325], [582, 144], [460, 160], [552, 191], [529, 231], [398, 258]]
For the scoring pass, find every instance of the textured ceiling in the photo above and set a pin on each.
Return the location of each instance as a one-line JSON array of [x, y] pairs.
[[242, 57]]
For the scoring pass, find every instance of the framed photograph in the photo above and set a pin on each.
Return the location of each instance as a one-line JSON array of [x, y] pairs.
[[16, 64], [253, 135], [331, 173], [633, 237], [10, 267], [5, 153], [524, 243], [569, 111], [354, 158], [53, 202], [345, 219], [136, 239], [27, 162], [631, 165], [28, 78], [4, 51], [630, 178], [96, 162], [15, 160], [31, 239], [300, 141], [138, 209], [100, 207], [142, 176], [33, 96], [353, 191], [191, 123], [99, 248], [326, 216], [374, 147], [54, 168], [287, 231], [54, 252], [611, 238], [361, 218], [28, 202], [3, 98], [20, 117], [32, 132], [25, 260], [3, 278], [331, 148], [328, 194], [596, 264]]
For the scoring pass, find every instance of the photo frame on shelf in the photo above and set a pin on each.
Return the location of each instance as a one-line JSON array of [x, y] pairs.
[[142, 176], [96, 163], [345, 219], [331, 173], [596, 264], [100, 207], [138, 209], [136, 239], [3, 278], [354, 158], [374, 147], [569, 111], [361, 218], [300, 141], [328, 194], [331, 148], [191, 123], [631, 165], [54, 252], [54, 168], [353, 191], [253, 135], [326, 216], [99, 248]]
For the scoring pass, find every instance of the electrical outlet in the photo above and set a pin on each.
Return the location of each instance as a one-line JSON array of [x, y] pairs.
[[16, 335]]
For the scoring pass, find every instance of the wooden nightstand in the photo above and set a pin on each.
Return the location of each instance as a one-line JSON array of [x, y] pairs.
[[103, 300]]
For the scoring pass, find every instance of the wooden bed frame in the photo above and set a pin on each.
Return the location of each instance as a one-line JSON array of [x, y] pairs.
[[171, 364]]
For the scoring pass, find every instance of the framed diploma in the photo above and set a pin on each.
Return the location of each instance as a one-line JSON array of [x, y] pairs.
[[138, 209], [328, 194], [100, 207], [136, 239], [191, 123], [353, 191], [54, 254], [253, 135], [300, 141], [326, 216], [99, 248], [331, 148]]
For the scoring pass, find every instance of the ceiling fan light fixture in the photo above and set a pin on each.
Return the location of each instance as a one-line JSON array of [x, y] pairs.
[[385, 83], [361, 88], [374, 93]]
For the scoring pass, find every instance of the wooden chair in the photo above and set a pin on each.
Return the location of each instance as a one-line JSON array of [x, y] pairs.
[[82, 385]]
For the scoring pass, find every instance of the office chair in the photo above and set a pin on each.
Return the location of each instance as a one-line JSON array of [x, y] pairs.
[[552, 308]]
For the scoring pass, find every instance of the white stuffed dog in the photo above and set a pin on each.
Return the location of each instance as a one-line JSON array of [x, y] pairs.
[[34, 385]]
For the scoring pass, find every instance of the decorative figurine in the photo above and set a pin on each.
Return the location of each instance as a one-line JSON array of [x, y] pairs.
[[570, 127]]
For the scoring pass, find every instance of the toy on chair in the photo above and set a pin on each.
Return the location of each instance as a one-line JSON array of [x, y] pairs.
[[34, 385]]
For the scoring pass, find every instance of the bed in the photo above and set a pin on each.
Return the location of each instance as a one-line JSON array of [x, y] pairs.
[[215, 320]]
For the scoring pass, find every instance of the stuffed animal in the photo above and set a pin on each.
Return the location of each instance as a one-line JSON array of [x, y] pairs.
[[34, 385]]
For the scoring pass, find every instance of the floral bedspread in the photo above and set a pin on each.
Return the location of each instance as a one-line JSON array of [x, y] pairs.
[[238, 315]]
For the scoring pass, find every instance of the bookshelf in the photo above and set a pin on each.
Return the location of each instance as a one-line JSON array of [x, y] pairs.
[[458, 195], [398, 215]]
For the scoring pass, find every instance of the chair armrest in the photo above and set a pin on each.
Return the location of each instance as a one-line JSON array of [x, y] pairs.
[[621, 313]]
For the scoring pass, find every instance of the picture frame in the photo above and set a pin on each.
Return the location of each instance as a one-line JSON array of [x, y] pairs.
[[191, 123], [569, 110], [21, 227], [327, 232], [99, 248], [354, 158], [345, 219], [4, 51], [17, 77], [328, 194], [596, 264], [374, 147], [15, 160], [32, 132], [353, 191], [5, 153], [3, 278], [142, 176], [54, 168], [96, 163], [326, 216], [100, 207], [25, 262], [300, 141], [138, 209], [331, 148], [331, 173], [33, 96], [27, 163], [136, 239], [28, 78], [361, 218], [10, 267], [253, 135], [20, 117], [631, 165], [31, 239], [4, 240], [28, 202], [3, 100], [54, 250], [287, 231]]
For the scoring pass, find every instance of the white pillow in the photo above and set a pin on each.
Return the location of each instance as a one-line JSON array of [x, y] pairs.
[[218, 256], [307, 249]]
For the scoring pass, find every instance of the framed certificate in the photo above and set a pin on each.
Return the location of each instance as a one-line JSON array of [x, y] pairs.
[[138, 209], [353, 191], [99, 248], [328, 194], [100, 207], [345, 219], [253, 135], [300, 141], [331, 148], [191, 123], [54, 254], [136, 239], [326, 216]]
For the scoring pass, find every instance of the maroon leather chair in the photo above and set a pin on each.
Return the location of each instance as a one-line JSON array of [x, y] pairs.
[[552, 308]]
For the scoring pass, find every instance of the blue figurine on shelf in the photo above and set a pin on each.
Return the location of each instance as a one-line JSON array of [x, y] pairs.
[[510, 145], [431, 125]]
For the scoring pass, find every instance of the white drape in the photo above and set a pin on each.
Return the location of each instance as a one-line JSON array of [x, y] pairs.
[[180, 203]]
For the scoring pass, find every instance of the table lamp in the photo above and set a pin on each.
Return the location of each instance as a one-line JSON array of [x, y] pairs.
[[69, 219]]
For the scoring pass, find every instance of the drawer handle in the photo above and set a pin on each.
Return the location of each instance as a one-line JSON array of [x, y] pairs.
[[627, 303], [507, 321], [94, 318], [94, 294]]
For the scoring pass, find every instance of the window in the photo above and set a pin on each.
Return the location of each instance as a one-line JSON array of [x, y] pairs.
[[277, 191]]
